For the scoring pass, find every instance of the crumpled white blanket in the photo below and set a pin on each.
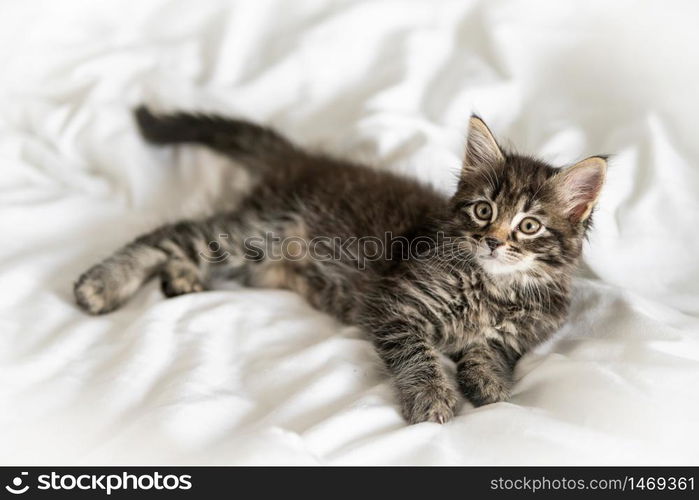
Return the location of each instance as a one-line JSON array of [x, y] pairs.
[[244, 376]]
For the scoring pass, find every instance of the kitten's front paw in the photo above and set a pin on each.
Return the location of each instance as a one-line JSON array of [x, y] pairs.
[[429, 403], [92, 292], [482, 390]]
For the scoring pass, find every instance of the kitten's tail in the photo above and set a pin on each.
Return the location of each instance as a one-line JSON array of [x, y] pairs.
[[239, 139]]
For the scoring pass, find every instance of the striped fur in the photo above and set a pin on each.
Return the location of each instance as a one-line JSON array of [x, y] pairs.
[[482, 306]]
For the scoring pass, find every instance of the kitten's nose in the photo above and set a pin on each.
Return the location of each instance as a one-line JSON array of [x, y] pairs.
[[492, 243]]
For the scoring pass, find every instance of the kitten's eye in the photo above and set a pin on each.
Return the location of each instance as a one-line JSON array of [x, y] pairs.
[[483, 210], [529, 225]]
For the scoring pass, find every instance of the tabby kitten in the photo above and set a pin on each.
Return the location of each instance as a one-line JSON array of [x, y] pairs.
[[482, 276]]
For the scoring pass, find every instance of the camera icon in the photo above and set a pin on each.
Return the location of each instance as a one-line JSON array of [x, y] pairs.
[[16, 487]]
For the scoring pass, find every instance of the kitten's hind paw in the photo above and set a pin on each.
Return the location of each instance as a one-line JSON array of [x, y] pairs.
[[92, 293], [180, 278]]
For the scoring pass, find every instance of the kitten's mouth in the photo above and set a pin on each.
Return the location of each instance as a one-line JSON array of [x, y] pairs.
[[491, 261], [494, 265], [498, 263], [488, 254]]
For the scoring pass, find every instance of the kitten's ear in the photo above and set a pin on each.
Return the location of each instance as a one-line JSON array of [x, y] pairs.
[[481, 147], [579, 186]]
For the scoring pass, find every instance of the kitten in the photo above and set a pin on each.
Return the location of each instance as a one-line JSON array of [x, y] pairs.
[[482, 276]]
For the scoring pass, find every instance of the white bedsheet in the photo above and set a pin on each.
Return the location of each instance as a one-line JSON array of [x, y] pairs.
[[241, 376]]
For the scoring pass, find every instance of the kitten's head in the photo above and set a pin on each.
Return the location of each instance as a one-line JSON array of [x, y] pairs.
[[524, 217]]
